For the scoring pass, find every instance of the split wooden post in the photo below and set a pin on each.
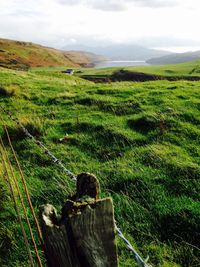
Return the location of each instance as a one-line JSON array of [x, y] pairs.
[[85, 234]]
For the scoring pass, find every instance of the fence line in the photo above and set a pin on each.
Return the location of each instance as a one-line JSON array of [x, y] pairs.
[[139, 260], [55, 160], [46, 150]]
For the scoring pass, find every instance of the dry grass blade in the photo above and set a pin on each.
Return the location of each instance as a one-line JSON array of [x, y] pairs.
[[16, 206], [23, 205]]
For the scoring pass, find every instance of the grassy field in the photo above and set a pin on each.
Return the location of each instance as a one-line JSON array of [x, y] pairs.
[[186, 69], [140, 139]]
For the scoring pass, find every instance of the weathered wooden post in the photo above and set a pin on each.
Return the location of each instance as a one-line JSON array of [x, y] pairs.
[[84, 236]]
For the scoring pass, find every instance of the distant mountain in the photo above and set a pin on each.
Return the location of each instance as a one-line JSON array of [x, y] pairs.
[[175, 58], [121, 52], [22, 55]]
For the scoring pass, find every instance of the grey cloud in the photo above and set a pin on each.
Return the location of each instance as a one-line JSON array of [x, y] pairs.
[[106, 5], [69, 2], [156, 3], [109, 5], [119, 5]]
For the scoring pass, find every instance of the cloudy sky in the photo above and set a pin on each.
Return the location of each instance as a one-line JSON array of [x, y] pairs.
[[166, 24]]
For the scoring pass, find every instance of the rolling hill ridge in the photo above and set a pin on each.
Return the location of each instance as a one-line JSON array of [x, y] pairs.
[[23, 55], [121, 51], [175, 58]]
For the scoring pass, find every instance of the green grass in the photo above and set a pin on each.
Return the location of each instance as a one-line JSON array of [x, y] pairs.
[[184, 69], [114, 131]]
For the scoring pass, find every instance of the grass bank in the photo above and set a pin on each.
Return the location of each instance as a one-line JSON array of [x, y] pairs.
[[140, 139]]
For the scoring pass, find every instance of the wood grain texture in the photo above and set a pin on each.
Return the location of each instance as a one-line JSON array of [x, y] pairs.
[[83, 238], [58, 250], [94, 235]]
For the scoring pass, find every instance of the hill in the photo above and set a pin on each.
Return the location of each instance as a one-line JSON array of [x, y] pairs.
[[121, 52], [175, 58], [23, 55], [140, 139], [84, 59]]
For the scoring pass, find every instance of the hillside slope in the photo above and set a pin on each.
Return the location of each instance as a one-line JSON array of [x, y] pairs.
[[84, 59], [22, 55], [175, 58], [140, 139]]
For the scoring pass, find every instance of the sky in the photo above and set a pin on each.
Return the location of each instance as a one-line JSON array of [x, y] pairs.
[[165, 24]]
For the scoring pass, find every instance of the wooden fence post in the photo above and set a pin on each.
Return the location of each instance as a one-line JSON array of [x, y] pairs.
[[84, 236]]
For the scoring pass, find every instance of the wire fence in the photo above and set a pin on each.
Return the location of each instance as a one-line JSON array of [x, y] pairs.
[[55, 160]]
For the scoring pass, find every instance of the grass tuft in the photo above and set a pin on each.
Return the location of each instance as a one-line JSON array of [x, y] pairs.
[[8, 92]]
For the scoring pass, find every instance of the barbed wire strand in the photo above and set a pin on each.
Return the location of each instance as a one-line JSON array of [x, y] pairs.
[[54, 159], [140, 261], [22, 203], [16, 209], [61, 183]]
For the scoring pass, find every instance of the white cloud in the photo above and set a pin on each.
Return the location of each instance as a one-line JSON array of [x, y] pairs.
[[56, 22]]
